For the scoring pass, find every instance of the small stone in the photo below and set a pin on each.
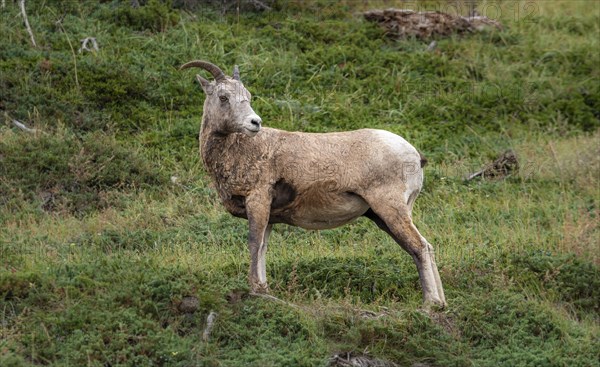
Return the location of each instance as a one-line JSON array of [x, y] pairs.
[[189, 305]]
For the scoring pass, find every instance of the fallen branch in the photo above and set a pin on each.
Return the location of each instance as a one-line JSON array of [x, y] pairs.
[[501, 167], [406, 23], [84, 45], [20, 125], [366, 314], [260, 5], [210, 322], [354, 359], [432, 46], [24, 14]]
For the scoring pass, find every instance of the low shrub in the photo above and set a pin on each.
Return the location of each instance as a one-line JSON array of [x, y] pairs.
[[70, 174]]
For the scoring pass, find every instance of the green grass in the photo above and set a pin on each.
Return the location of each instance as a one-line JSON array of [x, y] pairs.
[[99, 246]]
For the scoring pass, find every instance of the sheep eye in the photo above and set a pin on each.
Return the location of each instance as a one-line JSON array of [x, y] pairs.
[[223, 98]]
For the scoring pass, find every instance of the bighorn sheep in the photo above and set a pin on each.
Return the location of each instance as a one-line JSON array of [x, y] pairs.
[[313, 181]]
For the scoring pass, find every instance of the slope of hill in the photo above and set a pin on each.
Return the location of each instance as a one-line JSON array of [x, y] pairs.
[[108, 222]]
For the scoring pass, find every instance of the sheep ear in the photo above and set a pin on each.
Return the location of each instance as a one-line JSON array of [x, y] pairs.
[[205, 84]]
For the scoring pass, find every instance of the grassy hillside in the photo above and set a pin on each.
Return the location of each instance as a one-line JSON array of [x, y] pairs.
[[108, 221]]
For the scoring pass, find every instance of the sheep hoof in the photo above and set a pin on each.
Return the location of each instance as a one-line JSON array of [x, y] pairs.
[[434, 305], [260, 288]]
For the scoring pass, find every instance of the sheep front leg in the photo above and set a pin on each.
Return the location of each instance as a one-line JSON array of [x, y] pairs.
[[258, 208]]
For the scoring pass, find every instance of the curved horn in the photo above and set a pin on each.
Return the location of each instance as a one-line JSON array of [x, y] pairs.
[[236, 73], [211, 68]]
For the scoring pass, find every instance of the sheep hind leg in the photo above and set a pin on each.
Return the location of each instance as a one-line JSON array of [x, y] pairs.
[[436, 273], [398, 224]]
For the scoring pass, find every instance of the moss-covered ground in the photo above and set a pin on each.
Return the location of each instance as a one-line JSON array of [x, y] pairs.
[[108, 220]]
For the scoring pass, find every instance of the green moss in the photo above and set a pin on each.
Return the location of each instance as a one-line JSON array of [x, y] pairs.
[[65, 173], [367, 279], [10, 359], [153, 15], [259, 333], [17, 285], [147, 327], [520, 331], [569, 278]]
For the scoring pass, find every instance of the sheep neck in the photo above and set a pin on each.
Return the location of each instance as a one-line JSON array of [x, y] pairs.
[[212, 145], [230, 170]]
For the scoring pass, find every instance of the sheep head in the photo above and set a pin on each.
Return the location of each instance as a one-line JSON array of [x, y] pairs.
[[227, 103]]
